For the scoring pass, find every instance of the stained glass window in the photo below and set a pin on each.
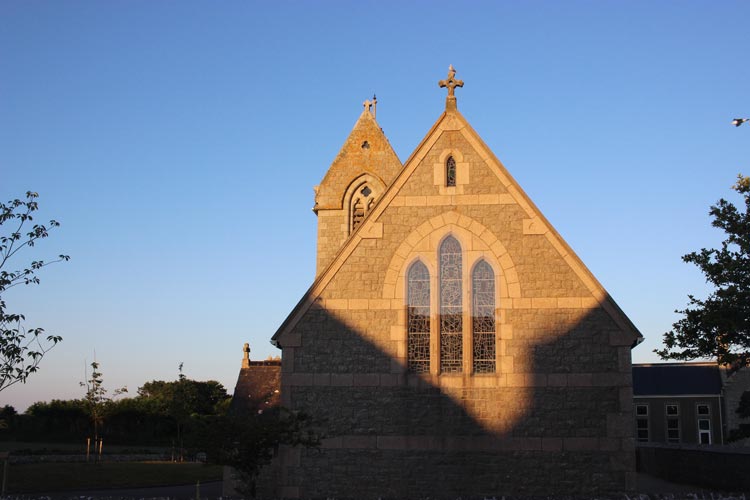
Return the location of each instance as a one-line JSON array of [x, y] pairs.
[[450, 172], [451, 308], [483, 317], [418, 321]]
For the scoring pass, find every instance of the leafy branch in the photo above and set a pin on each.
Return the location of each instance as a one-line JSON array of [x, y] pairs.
[[719, 325], [21, 349]]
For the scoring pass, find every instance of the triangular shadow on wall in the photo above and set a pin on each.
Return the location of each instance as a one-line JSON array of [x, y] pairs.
[[560, 426]]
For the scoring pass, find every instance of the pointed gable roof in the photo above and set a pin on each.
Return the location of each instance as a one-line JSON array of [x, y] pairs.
[[452, 120], [366, 151]]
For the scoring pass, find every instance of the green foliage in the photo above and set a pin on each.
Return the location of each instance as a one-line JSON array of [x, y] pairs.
[[143, 420], [7, 416], [96, 401], [247, 443], [719, 326], [184, 399], [21, 348], [56, 420]]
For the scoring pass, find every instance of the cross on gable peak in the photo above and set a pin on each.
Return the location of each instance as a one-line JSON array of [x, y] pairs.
[[451, 83]]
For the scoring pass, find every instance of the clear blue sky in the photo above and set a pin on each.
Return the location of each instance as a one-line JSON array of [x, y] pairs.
[[178, 144]]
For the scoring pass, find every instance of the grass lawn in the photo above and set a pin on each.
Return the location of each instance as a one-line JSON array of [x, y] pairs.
[[74, 448], [50, 477]]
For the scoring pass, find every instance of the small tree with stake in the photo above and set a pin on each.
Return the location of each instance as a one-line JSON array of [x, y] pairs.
[[21, 348], [97, 402], [719, 326]]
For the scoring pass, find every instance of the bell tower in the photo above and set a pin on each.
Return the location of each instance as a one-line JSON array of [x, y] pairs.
[[358, 176]]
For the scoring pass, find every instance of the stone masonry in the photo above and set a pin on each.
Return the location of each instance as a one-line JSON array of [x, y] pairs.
[[555, 416]]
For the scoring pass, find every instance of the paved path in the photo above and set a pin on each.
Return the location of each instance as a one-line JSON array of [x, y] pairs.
[[207, 490], [649, 485], [645, 484]]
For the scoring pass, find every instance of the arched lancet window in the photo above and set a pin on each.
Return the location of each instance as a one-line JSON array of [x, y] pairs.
[[483, 317], [418, 318], [451, 307], [361, 203], [450, 172]]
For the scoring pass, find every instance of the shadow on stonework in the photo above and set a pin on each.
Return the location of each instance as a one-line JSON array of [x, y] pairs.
[[558, 424]]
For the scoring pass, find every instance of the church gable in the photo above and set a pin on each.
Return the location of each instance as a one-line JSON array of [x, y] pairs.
[[480, 197], [486, 200], [455, 335]]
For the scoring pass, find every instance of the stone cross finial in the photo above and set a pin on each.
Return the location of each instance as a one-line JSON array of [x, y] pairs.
[[246, 355], [451, 83], [367, 104]]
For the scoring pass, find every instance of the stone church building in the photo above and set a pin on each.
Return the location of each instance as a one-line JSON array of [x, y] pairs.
[[452, 344]]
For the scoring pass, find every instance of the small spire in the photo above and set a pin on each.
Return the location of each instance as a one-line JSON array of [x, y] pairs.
[[374, 106], [451, 83]]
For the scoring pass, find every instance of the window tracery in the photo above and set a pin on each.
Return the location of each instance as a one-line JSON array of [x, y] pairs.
[[361, 204], [436, 344], [483, 317], [358, 213], [418, 318], [451, 306]]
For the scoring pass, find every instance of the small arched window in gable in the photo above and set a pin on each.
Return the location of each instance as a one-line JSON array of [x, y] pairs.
[[451, 306], [418, 318], [450, 172], [483, 317], [361, 203]]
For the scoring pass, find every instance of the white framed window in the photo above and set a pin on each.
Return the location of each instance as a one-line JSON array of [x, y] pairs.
[[641, 423], [703, 413], [672, 411]]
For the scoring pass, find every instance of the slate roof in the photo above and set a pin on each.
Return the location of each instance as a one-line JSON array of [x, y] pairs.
[[676, 379], [258, 387]]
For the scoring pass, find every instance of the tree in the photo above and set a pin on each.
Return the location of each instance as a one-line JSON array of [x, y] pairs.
[[183, 399], [247, 443], [7, 415], [186, 396], [21, 348], [96, 399], [719, 326]]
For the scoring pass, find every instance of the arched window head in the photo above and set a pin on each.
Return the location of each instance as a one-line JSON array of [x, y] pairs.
[[483, 317], [450, 172], [418, 318], [451, 306], [361, 203]]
